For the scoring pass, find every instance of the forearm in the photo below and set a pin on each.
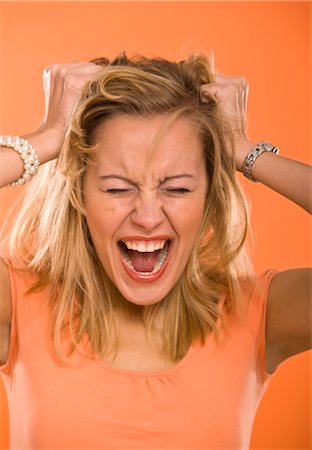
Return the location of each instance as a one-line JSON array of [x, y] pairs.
[[290, 178]]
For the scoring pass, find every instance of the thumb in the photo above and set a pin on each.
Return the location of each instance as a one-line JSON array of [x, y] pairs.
[[208, 92], [46, 76]]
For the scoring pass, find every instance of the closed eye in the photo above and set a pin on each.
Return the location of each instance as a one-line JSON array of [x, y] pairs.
[[178, 190], [116, 191]]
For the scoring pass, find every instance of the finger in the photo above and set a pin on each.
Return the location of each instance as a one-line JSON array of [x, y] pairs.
[[222, 79], [211, 59], [245, 99], [213, 88], [87, 69], [76, 61], [46, 76], [102, 61], [208, 92]]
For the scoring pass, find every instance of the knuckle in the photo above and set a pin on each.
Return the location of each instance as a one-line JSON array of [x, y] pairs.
[[243, 81], [46, 72], [71, 79], [62, 70], [54, 68]]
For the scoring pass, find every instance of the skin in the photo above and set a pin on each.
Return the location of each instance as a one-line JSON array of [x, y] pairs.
[[150, 202]]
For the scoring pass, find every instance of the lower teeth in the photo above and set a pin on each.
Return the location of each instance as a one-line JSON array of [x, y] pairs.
[[160, 261]]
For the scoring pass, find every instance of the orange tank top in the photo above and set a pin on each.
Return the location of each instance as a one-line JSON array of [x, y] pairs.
[[206, 401]]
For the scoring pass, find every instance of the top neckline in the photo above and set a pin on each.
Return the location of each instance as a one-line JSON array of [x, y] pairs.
[[157, 373]]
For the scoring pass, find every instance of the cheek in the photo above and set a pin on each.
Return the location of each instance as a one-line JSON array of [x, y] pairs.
[[192, 226], [186, 222], [104, 218], [187, 215], [97, 217], [100, 224]]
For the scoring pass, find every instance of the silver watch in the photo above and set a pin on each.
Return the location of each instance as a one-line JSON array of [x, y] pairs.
[[250, 159]]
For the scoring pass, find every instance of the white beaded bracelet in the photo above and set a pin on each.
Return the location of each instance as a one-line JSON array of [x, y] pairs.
[[27, 154]]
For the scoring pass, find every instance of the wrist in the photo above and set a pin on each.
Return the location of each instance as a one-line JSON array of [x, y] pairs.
[[46, 142], [241, 150], [258, 150]]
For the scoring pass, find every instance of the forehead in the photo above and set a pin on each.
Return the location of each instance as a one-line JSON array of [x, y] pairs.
[[127, 142]]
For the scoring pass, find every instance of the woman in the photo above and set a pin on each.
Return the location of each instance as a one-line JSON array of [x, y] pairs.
[[135, 318]]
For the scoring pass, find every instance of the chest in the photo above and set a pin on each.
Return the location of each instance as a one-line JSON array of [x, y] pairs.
[[135, 353], [209, 400]]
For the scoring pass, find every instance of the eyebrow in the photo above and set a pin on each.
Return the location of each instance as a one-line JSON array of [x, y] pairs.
[[180, 175], [118, 177]]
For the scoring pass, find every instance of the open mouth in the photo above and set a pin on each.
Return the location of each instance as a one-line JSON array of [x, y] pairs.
[[144, 258]]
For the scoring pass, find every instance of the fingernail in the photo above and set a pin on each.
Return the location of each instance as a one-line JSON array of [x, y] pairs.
[[212, 60]]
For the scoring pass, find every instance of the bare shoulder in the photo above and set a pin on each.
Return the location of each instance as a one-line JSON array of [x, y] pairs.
[[5, 295], [288, 324]]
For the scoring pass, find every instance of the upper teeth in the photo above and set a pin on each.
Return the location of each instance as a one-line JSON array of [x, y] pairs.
[[144, 246]]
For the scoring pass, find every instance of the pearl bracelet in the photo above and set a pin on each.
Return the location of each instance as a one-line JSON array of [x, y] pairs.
[[27, 154]]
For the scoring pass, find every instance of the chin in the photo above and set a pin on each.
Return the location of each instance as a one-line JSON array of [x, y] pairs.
[[143, 295]]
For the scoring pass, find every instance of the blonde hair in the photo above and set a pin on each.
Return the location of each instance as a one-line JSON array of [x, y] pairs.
[[52, 239]]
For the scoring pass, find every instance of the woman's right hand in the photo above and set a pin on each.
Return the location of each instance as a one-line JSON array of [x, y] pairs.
[[62, 84]]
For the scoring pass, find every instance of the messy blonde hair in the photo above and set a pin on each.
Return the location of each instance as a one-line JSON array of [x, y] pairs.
[[51, 235]]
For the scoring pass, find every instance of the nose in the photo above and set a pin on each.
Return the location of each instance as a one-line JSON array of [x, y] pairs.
[[148, 212]]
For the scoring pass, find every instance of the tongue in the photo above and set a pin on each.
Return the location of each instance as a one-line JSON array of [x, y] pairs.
[[143, 262]]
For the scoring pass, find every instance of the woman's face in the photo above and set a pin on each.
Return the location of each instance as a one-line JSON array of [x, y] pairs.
[[144, 221]]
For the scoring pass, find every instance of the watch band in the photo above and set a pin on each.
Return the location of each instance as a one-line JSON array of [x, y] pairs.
[[250, 159]]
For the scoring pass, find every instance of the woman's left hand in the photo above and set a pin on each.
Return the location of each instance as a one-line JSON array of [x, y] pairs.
[[231, 93]]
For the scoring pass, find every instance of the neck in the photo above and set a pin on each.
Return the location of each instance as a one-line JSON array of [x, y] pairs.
[[128, 311]]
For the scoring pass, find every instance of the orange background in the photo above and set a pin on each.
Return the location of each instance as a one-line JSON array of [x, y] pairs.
[[266, 42]]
